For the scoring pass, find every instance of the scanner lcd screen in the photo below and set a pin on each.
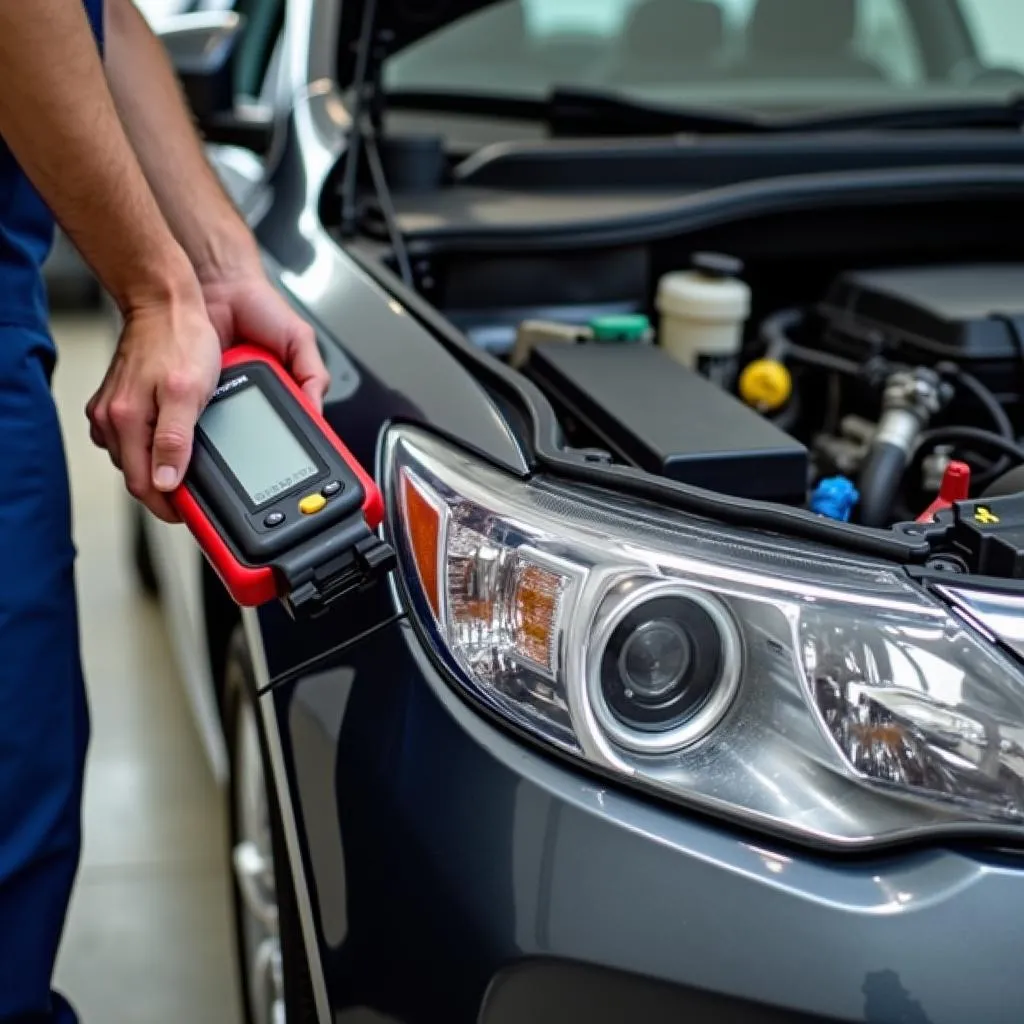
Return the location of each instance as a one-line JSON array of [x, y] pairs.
[[255, 443]]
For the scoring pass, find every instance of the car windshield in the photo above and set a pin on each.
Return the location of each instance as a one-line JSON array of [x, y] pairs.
[[786, 55]]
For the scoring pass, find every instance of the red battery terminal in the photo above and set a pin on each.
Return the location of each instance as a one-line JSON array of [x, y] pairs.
[[955, 486]]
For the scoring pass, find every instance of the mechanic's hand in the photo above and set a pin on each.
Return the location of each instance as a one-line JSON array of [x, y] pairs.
[[245, 307], [166, 366]]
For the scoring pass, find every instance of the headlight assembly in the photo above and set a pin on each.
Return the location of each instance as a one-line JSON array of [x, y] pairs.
[[792, 690]]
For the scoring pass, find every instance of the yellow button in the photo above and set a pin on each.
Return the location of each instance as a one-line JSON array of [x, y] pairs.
[[311, 504]]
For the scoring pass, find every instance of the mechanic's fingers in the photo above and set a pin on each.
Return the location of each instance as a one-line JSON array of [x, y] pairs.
[[306, 365], [96, 409], [96, 435], [103, 432], [315, 392], [99, 422], [129, 437], [161, 507], [180, 399], [128, 443]]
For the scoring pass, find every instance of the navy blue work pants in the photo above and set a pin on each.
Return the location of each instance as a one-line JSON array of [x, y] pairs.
[[43, 714]]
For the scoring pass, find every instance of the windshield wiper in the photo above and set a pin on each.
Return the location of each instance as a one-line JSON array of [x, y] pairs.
[[581, 112], [588, 112], [1008, 114], [593, 112]]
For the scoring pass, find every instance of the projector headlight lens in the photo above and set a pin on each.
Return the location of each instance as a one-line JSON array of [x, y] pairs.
[[667, 667]]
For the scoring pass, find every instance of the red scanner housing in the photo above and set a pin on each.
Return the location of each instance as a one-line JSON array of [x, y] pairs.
[[227, 523]]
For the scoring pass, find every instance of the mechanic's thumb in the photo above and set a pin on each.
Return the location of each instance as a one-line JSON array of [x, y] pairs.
[[172, 444]]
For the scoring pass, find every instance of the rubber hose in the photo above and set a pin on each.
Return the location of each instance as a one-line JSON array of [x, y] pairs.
[[983, 395], [879, 483], [996, 413], [775, 335], [966, 436]]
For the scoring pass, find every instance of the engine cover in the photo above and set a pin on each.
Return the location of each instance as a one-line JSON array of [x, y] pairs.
[[972, 315]]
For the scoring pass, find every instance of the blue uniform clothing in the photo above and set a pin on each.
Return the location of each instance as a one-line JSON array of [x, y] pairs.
[[43, 715], [26, 231]]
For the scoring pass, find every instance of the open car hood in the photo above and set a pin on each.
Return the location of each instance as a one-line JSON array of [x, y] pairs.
[[396, 25]]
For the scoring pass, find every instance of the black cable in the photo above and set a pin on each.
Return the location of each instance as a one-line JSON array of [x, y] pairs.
[[987, 400], [387, 207], [968, 436], [363, 136], [775, 329], [1018, 340], [350, 179], [775, 333], [310, 664], [824, 360], [997, 414], [1010, 323]]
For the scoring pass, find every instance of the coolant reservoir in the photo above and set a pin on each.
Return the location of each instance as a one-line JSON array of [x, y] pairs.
[[703, 311]]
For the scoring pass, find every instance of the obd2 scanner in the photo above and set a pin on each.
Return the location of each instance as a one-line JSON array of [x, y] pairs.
[[278, 504]]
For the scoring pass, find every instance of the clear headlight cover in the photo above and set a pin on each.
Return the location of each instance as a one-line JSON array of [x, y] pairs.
[[803, 693]]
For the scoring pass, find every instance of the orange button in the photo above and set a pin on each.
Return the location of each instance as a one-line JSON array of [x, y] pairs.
[[311, 504]]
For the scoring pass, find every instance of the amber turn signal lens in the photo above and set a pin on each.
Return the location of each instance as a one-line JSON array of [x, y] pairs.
[[423, 527]]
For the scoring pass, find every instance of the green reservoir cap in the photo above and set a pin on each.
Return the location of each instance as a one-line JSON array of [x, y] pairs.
[[620, 327]]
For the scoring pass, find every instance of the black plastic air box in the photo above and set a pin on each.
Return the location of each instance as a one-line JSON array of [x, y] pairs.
[[972, 315], [649, 410]]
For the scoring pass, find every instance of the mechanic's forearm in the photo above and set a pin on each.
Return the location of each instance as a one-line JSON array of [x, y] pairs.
[[58, 118], [159, 124]]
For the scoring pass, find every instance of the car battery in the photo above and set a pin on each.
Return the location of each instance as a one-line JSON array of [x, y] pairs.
[[649, 410]]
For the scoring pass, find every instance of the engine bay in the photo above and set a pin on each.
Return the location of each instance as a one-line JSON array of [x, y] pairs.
[[832, 348], [890, 401]]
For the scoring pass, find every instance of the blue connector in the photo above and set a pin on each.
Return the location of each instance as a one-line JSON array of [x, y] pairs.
[[835, 497]]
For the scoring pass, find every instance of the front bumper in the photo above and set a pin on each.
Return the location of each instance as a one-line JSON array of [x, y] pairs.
[[457, 875]]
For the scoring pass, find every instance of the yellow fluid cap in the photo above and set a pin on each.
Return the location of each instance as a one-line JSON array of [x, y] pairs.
[[766, 384]]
